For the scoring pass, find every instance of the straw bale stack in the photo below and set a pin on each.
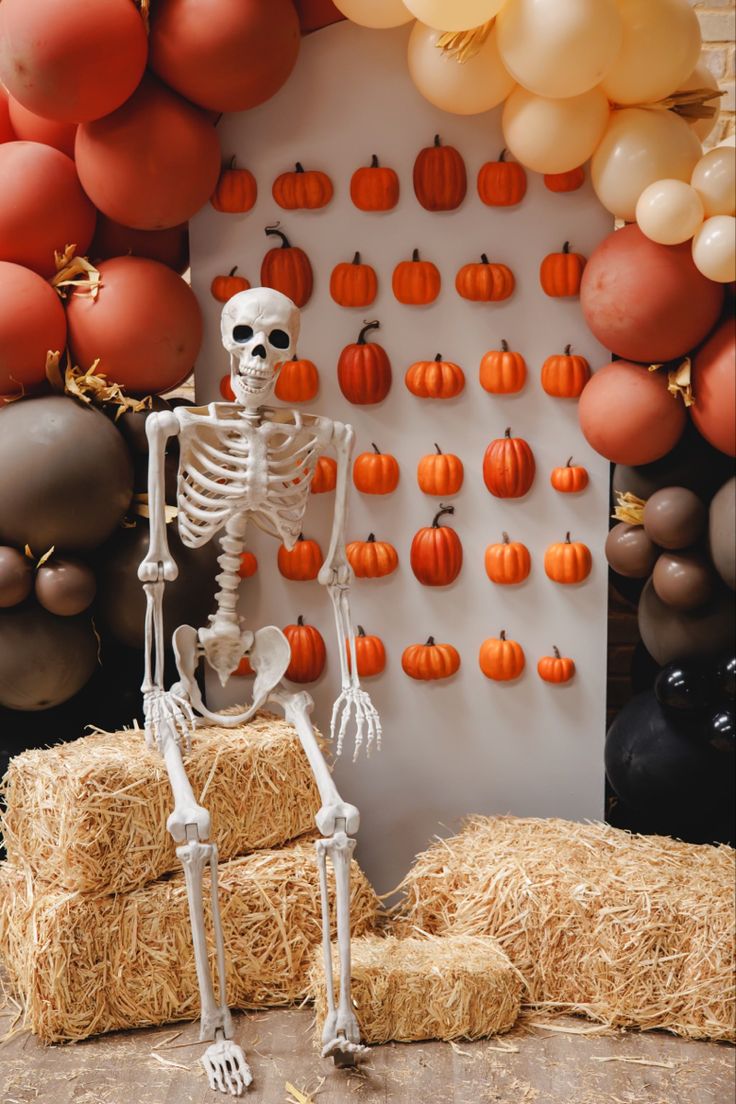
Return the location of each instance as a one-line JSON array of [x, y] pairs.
[[453, 987], [632, 931]]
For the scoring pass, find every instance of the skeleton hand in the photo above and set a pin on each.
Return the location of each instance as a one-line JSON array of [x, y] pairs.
[[168, 715], [353, 699]]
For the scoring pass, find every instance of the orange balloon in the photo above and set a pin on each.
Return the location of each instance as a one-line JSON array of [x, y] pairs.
[[32, 321], [6, 130], [30, 127], [714, 387]]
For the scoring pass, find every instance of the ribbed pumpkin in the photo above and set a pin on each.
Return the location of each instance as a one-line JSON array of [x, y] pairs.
[[560, 273], [223, 288], [248, 565], [370, 654], [440, 473], [244, 667], [569, 480], [364, 371], [435, 379], [440, 180], [301, 190], [508, 563], [236, 190], [372, 559], [436, 552], [568, 561], [565, 181], [556, 668], [508, 467], [287, 269], [502, 371], [226, 389], [500, 659], [302, 562], [353, 284], [416, 283], [430, 662], [374, 187], [501, 183], [298, 381], [564, 375], [324, 479], [483, 282], [308, 652], [376, 472]]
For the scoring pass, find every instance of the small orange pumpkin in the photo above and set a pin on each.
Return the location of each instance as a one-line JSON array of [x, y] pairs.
[[502, 372], [430, 662], [440, 473], [308, 652], [302, 562], [287, 269], [372, 559], [508, 563], [556, 668], [435, 379], [248, 565], [508, 467], [226, 389], [244, 668], [440, 180], [364, 371], [436, 552], [501, 183], [569, 480], [376, 472], [370, 654], [236, 190], [560, 273], [353, 284], [565, 181], [223, 288], [298, 381], [375, 187], [324, 479], [568, 561], [500, 659], [564, 375], [484, 282], [416, 283], [302, 191]]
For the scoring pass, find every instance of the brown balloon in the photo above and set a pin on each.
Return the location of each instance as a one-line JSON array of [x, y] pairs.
[[630, 552], [65, 587], [674, 517], [683, 580], [722, 532], [672, 635], [16, 577], [44, 660]]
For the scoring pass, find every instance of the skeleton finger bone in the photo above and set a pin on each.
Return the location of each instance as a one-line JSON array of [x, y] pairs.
[[226, 1067]]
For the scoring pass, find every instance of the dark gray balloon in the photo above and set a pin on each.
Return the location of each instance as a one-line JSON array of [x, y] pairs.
[[683, 580], [674, 517], [693, 463], [630, 552], [16, 577], [672, 635], [44, 660], [722, 532]]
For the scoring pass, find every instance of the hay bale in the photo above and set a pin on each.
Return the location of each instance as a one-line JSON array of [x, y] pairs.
[[453, 987], [83, 965], [632, 931], [91, 815]]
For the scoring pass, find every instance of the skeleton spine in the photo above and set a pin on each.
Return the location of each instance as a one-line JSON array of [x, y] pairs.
[[232, 544]]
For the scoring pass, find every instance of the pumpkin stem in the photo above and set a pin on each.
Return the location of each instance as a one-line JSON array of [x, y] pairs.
[[430, 642], [503, 634], [300, 619], [299, 167], [507, 431], [566, 247], [361, 630], [569, 462], [442, 510], [231, 163], [415, 254], [484, 258], [556, 650], [374, 161], [567, 350], [504, 345], [375, 449], [233, 270], [300, 537], [356, 258], [502, 155], [567, 538], [371, 538], [366, 327], [437, 140], [505, 538], [438, 358], [439, 450], [274, 232]]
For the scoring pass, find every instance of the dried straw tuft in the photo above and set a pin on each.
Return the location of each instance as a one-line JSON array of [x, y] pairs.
[[453, 987], [632, 931]]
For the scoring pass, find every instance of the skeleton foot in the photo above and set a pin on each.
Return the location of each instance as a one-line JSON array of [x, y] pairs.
[[226, 1067], [341, 1039]]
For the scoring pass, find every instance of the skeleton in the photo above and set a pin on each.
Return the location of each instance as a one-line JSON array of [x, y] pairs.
[[239, 462]]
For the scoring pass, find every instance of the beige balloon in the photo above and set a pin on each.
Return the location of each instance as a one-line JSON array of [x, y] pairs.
[[714, 249], [476, 85], [375, 13], [701, 77], [554, 136], [559, 48], [714, 179], [641, 146], [661, 46], [727, 143], [453, 15], [669, 212]]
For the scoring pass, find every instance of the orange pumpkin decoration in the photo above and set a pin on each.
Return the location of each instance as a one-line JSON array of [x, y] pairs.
[[298, 381], [302, 562], [226, 389], [308, 652], [556, 668], [564, 375], [508, 467], [435, 379], [501, 183], [287, 269], [568, 561], [436, 552], [244, 668], [364, 371], [440, 473], [370, 654], [372, 559], [354, 284], [324, 479], [500, 659], [430, 662], [416, 283], [248, 565], [236, 190], [485, 282], [223, 288], [569, 480], [565, 181], [508, 563], [560, 273], [440, 180], [376, 472], [502, 372], [374, 188], [302, 191]]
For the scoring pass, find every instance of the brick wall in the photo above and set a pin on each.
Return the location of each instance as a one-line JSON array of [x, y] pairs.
[[718, 28]]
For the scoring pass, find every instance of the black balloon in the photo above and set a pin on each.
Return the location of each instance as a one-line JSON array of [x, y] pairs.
[[684, 689], [44, 660], [722, 731], [725, 677]]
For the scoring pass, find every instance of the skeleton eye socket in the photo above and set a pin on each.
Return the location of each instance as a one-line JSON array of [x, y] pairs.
[[279, 339], [242, 333]]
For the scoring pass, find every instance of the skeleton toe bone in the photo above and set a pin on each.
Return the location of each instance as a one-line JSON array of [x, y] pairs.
[[226, 1067]]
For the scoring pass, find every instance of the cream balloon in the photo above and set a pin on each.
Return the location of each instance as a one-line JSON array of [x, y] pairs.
[[453, 15], [379, 14], [669, 212], [714, 249], [727, 143], [701, 77], [714, 179], [661, 46], [466, 88], [554, 136], [559, 48], [640, 147]]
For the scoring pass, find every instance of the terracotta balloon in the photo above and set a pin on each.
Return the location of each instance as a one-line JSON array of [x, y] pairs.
[[644, 301], [145, 326], [722, 532], [660, 48], [32, 321], [714, 385], [375, 13], [44, 660], [42, 206], [627, 414], [226, 55], [669, 212], [7, 134], [672, 635], [477, 85], [674, 517], [454, 15], [554, 136], [64, 586], [683, 580], [29, 127], [152, 163], [169, 247], [714, 249], [630, 552], [16, 577], [714, 179]]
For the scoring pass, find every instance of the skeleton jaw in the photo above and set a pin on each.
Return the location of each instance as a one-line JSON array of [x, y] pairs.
[[252, 380]]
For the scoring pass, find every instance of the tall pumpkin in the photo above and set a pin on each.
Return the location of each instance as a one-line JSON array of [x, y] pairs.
[[287, 269], [308, 652], [353, 284], [508, 467], [364, 370], [436, 555], [416, 283], [374, 187], [324, 479], [484, 282], [440, 180], [370, 654], [298, 381]]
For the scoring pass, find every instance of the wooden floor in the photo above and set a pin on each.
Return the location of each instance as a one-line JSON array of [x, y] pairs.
[[530, 1064]]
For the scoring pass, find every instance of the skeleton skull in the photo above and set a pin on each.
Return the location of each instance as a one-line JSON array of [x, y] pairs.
[[259, 329]]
